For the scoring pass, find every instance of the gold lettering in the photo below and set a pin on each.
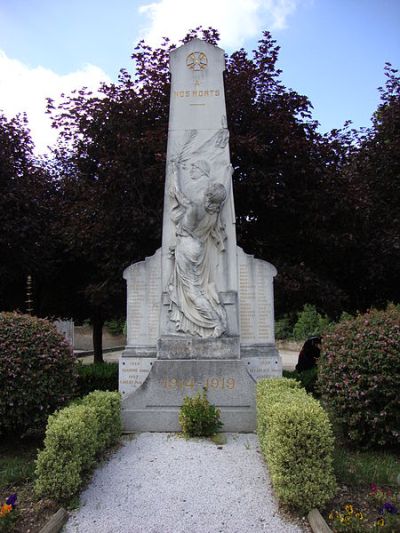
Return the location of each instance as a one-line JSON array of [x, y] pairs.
[[196, 93], [189, 383], [231, 383]]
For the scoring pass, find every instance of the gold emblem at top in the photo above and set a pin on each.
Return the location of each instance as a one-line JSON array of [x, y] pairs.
[[196, 61]]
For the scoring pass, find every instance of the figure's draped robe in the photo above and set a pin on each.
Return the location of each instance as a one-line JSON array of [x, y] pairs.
[[195, 305]]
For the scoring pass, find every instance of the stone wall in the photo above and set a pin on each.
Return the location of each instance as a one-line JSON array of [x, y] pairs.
[[83, 337]]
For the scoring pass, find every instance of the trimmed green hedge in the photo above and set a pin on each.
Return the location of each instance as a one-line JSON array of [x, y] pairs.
[[297, 441], [75, 435], [102, 376]]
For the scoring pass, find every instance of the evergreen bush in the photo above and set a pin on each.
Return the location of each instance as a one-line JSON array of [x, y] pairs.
[[297, 441], [103, 376], [307, 378], [116, 326], [283, 328], [75, 435], [359, 376], [37, 373], [199, 418], [107, 410], [309, 323]]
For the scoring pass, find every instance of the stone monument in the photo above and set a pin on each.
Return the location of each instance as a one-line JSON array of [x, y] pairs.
[[200, 311]]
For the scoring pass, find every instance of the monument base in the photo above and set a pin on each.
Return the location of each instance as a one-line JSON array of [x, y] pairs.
[[140, 351], [155, 404], [189, 347]]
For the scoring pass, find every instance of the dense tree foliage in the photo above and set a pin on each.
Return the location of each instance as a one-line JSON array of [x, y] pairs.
[[374, 170], [322, 208], [26, 214]]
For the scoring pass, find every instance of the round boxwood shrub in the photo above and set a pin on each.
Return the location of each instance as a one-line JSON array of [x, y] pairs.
[[37, 373], [359, 376]]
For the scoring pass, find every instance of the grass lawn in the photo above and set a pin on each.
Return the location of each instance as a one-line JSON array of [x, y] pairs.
[[367, 480], [16, 476]]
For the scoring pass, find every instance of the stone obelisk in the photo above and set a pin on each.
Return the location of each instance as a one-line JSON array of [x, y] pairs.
[[200, 311]]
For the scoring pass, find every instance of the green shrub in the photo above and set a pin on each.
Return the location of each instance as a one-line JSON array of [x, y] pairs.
[[296, 438], [199, 418], [115, 326], [283, 328], [37, 373], [307, 378], [359, 376], [269, 390], [309, 323], [75, 435], [107, 410], [70, 447], [102, 376]]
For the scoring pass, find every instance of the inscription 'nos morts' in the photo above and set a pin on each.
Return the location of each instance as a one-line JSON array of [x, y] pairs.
[[198, 93]]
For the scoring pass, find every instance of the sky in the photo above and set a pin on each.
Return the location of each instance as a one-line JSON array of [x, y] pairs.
[[332, 51]]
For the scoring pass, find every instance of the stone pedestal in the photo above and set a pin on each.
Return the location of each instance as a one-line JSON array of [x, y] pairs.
[[155, 406]]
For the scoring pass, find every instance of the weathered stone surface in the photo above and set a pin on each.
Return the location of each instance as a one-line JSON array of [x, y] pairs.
[[143, 301], [175, 347], [256, 300], [66, 328], [132, 372], [200, 311], [199, 242], [263, 367], [155, 405]]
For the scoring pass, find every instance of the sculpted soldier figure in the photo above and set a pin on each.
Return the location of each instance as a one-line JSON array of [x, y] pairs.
[[195, 306]]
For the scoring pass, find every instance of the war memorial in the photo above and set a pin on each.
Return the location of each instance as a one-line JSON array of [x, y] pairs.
[[200, 311]]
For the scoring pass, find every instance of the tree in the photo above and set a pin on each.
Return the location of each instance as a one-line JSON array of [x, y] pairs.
[[363, 210], [282, 168], [110, 163], [376, 167], [298, 194], [110, 190], [25, 213]]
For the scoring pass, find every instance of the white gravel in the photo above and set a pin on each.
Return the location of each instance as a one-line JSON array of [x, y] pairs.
[[161, 483]]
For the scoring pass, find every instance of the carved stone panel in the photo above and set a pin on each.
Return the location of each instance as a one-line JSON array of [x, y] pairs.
[[256, 300], [143, 301], [132, 373]]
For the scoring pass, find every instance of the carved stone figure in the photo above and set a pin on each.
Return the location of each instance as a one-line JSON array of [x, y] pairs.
[[195, 305]]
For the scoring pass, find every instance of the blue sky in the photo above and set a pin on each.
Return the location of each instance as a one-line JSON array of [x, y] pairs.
[[333, 51]]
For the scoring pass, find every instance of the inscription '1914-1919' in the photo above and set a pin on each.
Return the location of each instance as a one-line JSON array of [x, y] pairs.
[[190, 383]]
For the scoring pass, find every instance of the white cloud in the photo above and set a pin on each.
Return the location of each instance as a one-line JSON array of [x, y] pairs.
[[25, 89], [237, 20]]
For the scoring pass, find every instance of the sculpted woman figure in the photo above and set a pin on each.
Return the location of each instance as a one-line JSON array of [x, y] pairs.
[[195, 306]]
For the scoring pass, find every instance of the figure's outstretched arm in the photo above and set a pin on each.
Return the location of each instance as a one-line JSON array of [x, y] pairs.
[[175, 191]]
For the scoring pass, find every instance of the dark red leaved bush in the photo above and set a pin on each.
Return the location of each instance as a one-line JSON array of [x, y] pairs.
[[37, 373], [359, 376]]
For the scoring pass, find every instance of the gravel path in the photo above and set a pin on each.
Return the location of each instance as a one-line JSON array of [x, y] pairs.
[[161, 483]]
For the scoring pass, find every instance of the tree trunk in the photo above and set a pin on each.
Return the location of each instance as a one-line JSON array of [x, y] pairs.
[[98, 323]]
